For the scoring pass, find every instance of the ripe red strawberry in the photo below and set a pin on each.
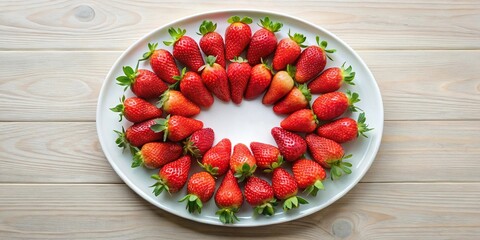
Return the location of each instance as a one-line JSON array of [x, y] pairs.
[[312, 61], [173, 176], [212, 43], [332, 79], [298, 98], [260, 79], [268, 157], [137, 135], [329, 154], [288, 50], [199, 143], [291, 145], [282, 83], [156, 154], [229, 199], [237, 36], [308, 175], [242, 162], [174, 102], [162, 63], [259, 194], [185, 49], [192, 87], [144, 83], [216, 160], [176, 128], [238, 73], [215, 78], [263, 41], [331, 105], [344, 129], [136, 109], [200, 189], [302, 120], [285, 188]]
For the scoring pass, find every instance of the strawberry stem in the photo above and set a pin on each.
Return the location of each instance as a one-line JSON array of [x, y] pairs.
[[347, 74], [245, 171], [120, 108], [194, 204], [352, 99], [176, 34], [227, 215], [298, 38], [323, 45], [362, 126], [129, 78], [207, 27], [160, 185], [235, 19], [266, 208], [293, 202], [161, 125], [270, 25], [313, 189]]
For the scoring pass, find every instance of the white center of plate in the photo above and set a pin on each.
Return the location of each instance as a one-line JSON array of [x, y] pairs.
[[250, 121]]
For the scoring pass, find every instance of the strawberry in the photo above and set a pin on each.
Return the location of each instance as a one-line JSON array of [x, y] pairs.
[[192, 87], [174, 102], [344, 129], [137, 135], [288, 50], [144, 83], [237, 36], [200, 189], [331, 105], [136, 109], [199, 143], [308, 175], [238, 73], [268, 157], [291, 145], [260, 79], [298, 98], [285, 188], [259, 194], [173, 176], [242, 162], [329, 154], [211, 42], [156, 154], [229, 199], [282, 83], [312, 61], [263, 41], [216, 160], [332, 79], [176, 128], [162, 63], [302, 120], [185, 49], [215, 78]]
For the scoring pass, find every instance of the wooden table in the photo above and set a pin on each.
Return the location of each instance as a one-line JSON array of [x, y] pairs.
[[56, 183]]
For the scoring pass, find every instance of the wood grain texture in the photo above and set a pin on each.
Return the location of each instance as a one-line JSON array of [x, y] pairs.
[[369, 211], [415, 85], [70, 153], [52, 152], [427, 24]]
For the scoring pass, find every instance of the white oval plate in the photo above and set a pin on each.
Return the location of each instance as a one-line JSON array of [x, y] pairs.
[[250, 121]]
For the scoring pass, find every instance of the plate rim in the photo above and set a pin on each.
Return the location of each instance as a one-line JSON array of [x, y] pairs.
[[131, 185]]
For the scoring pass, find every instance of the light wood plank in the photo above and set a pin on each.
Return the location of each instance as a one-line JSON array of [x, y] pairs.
[[369, 211], [52, 86], [52, 152], [428, 24], [70, 153], [416, 85]]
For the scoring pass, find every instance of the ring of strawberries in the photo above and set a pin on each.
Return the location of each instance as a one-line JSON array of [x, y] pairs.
[[164, 135]]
